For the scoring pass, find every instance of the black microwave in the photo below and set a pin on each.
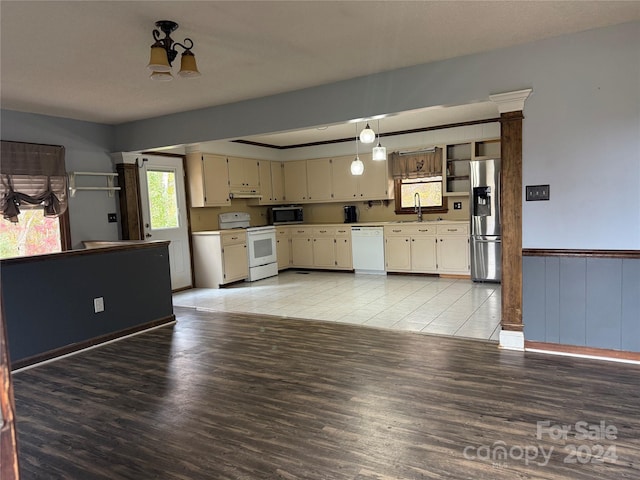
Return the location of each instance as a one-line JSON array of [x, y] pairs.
[[284, 215]]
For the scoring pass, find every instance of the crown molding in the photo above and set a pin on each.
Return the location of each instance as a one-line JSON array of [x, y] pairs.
[[511, 101]]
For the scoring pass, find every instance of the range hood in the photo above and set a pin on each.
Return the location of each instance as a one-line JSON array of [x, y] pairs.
[[244, 194]]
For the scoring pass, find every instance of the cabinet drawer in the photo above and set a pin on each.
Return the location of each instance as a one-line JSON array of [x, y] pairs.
[[301, 231], [283, 232], [343, 231], [324, 232], [456, 229], [233, 238], [398, 230], [421, 229]]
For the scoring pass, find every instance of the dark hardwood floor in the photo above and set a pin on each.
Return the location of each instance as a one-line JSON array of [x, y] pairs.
[[235, 396]]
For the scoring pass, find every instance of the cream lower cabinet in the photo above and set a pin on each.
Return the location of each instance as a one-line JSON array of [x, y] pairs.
[[344, 258], [453, 249], [219, 257], [301, 247], [410, 248], [283, 247], [427, 248], [326, 247]]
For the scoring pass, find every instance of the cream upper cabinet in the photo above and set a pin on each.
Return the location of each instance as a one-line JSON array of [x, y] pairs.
[[266, 189], [345, 185], [295, 181], [208, 180], [319, 180], [277, 181], [375, 183], [244, 174]]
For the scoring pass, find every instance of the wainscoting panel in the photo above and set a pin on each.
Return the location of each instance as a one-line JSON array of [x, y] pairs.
[[582, 299], [573, 296], [631, 305]]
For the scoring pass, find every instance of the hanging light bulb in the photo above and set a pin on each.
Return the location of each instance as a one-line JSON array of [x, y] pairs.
[[379, 153], [367, 135], [357, 167]]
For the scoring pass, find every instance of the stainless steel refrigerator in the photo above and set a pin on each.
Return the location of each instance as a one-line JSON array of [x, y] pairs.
[[486, 246]]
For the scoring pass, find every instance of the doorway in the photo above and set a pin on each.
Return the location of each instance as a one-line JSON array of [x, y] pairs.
[[164, 213]]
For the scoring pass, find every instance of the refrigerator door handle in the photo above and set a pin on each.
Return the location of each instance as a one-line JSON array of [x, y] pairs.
[[477, 240]]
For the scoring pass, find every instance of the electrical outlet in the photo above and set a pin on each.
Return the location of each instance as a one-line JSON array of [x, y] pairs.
[[537, 192], [112, 217], [98, 304], [457, 205]]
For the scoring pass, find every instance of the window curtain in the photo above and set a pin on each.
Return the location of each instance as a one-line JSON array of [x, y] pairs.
[[32, 176], [418, 164]]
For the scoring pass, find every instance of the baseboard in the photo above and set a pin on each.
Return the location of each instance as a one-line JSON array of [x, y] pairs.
[[512, 340], [92, 342], [582, 352]]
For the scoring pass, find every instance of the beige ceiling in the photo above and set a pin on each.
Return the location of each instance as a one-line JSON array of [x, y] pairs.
[[87, 59]]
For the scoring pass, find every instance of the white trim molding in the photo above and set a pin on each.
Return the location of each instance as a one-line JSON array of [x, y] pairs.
[[511, 101], [510, 340]]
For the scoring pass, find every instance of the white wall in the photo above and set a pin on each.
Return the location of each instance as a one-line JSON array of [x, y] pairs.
[[581, 131], [87, 147]]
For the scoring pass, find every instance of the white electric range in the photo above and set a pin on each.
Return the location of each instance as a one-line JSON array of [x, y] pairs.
[[261, 244]]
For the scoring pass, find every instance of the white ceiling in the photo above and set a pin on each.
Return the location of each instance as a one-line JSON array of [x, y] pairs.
[[87, 59]]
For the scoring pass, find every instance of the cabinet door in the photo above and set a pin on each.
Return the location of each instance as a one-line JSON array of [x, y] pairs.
[[423, 254], [216, 180], [277, 181], [345, 185], [319, 179], [343, 253], [324, 255], [397, 253], [453, 254], [235, 263], [264, 168], [301, 252], [283, 251], [295, 180], [374, 182], [243, 173]]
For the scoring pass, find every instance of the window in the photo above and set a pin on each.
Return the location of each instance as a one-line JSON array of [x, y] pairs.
[[429, 189], [34, 234], [163, 200]]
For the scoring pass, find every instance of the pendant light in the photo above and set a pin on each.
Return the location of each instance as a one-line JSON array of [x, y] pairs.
[[367, 135], [379, 153], [357, 167]]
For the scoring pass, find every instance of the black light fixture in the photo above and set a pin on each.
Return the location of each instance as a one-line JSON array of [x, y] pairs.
[[163, 53]]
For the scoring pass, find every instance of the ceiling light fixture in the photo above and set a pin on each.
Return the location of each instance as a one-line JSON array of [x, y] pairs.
[[163, 53], [357, 167], [379, 153], [367, 135]]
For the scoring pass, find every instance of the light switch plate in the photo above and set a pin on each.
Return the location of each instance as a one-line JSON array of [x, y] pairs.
[[537, 192]]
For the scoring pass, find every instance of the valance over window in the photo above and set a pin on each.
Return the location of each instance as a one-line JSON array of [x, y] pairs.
[[419, 164], [32, 175]]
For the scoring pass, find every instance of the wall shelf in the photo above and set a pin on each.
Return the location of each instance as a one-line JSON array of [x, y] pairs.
[[110, 188]]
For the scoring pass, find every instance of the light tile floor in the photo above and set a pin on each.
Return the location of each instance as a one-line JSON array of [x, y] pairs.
[[415, 303]]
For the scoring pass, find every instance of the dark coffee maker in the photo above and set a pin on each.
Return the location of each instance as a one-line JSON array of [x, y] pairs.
[[350, 214]]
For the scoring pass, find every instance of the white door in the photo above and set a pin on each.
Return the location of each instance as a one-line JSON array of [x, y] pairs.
[[164, 213]]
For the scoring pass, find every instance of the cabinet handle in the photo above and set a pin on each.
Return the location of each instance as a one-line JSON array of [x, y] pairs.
[[406, 239], [323, 231], [423, 230], [396, 231]]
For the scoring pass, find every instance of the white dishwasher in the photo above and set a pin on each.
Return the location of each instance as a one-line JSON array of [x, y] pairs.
[[367, 244]]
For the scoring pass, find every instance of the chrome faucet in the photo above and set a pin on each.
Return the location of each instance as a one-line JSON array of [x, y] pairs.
[[417, 208]]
